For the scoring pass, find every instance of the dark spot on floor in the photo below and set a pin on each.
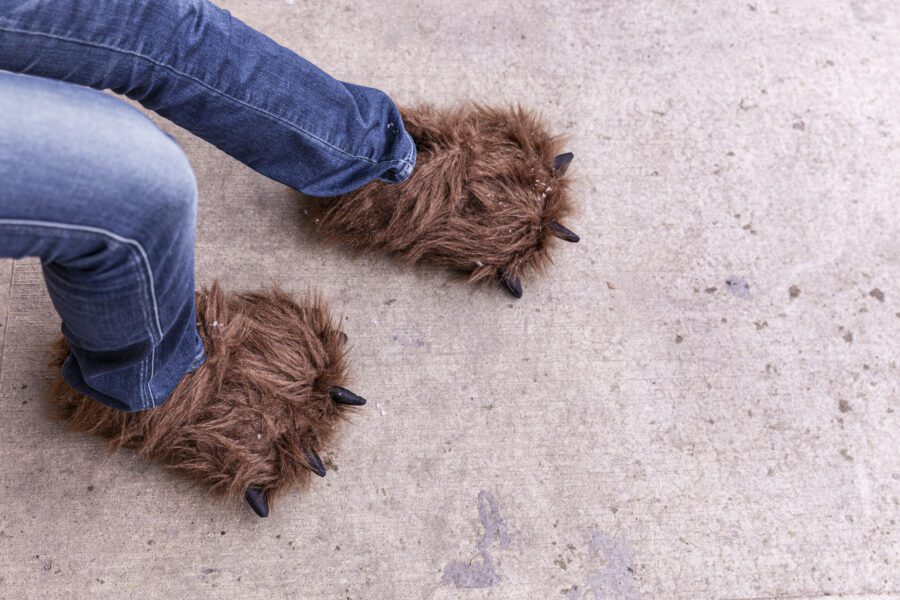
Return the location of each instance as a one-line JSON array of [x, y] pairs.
[[846, 455], [760, 325], [877, 294], [848, 337], [679, 339], [794, 291], [799, 126], [844, 406], [711, 290], [90, 488], [738, 286]]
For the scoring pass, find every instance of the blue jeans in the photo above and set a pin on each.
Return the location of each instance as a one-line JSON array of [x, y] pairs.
[[108, 202]]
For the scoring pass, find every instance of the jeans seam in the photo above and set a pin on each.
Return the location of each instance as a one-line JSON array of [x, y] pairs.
[[147, 399], [146, 277], [143, 381], [189, 77]]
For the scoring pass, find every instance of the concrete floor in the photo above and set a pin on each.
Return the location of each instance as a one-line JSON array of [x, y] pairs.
[[635, 426]]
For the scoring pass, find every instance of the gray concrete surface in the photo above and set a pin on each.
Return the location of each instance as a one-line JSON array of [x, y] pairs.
[[635, 427]]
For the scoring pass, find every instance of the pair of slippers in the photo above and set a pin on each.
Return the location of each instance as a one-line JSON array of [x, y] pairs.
[[486, 198]]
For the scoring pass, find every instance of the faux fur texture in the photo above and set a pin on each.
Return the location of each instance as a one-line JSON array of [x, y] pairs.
[[481, 199], [246, 416]]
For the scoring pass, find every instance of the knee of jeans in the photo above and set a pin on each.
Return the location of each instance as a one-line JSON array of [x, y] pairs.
[[160, 183], [176, 186]]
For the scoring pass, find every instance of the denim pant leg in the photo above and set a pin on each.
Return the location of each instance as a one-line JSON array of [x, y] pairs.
[[108, 203], [197, 65]]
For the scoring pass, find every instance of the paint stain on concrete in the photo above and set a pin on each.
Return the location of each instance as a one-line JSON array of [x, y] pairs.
[[484, 574], [868, 11], [614, 576], [408, 340], [738, 286]]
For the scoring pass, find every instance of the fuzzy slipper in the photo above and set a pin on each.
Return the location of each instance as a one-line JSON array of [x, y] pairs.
[[251, 419], [486, 197]]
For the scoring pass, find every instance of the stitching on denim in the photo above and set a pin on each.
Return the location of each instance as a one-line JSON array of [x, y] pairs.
[[104, 232], [143, 382], [207, 86], [152, 360], [146, 273], [148, 400]]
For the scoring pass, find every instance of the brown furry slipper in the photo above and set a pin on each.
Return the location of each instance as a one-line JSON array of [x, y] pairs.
[[486, 197], [250, 419]]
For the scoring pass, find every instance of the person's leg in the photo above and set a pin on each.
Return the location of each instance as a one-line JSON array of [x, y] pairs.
[[195, 64], [108, 202]]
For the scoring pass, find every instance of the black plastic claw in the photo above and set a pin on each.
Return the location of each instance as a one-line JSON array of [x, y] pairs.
[[342, 396], [513, 285], [256, 498], [561, 163], [561, 232], [315, 462]]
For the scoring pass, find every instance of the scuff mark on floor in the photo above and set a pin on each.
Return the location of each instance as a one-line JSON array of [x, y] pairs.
[[738, 286], [483, 575], [408, 339], [614, 577]]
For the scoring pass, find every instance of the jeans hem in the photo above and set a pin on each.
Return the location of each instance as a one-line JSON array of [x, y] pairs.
[[402, 168]]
